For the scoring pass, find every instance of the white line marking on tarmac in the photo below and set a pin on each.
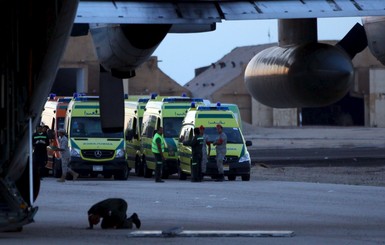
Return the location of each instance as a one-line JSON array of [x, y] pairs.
[[212, 233]]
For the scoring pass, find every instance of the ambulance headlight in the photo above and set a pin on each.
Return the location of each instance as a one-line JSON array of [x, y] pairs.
[[120, 153], [171, 152], [75, 152], [245, 158]]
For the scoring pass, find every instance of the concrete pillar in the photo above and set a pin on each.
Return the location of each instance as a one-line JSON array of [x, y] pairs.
[[285, 117], [261, 115], [377, 97], [126, 82], [81, 81]]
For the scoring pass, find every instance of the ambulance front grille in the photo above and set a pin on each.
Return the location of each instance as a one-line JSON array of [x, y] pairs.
[[228, 159], [98, 154]]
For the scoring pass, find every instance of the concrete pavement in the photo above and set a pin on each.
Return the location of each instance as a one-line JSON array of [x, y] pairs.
[[314, 137], [317, 146]]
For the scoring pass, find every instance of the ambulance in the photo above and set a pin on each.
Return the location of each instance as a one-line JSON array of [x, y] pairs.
[[167, 112], [235, 109], [53, 116], [93, 151], [133, 116], [237, 161]]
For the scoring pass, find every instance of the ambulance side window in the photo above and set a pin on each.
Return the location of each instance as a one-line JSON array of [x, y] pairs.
[[149, 126], [182, 134], [130, 129], [190, 134]]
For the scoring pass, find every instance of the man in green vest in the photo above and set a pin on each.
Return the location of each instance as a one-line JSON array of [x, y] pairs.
[[158, 149]]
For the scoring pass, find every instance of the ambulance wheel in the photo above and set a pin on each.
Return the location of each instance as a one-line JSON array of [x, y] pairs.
[[107, 176], [246, 177], [181, 174], [138, 166], [147, 173], [165, 174], [23, 185], [231, 177], [122, 175], [93, 175]]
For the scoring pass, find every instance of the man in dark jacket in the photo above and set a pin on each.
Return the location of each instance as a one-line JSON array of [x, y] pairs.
[[196, 147], [112, 211], [40, 142]]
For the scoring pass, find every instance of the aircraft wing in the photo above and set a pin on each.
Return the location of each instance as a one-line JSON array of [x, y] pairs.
[[207, 12], [132, 22]]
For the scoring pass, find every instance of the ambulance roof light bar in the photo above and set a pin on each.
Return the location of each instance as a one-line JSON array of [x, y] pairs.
[[182, 99], [153, 95], [51, 96], [213, 108], [145, 100]]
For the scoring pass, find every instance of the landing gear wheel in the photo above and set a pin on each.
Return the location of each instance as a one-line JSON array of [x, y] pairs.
[[23, 186], [231, 177], [122, 175]]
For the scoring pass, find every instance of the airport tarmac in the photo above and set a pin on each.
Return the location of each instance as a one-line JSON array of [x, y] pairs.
[[229, 212]]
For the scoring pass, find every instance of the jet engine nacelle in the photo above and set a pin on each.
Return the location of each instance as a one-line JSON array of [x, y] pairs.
[[309, 75], [122, 48], [375, 33]]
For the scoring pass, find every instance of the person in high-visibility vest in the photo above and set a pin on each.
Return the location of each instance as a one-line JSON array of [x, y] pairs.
[[158, 149]]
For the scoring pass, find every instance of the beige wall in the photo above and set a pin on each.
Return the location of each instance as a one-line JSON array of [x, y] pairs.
[[150, 79], [235, 92], [80, 53], [285, 117], [262, 116]]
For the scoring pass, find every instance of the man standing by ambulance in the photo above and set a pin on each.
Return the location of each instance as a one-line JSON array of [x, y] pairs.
[[40, 142], [220, 145], [158, 149], [206, 148], [196, 149]]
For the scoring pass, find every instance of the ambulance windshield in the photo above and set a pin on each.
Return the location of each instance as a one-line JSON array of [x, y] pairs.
[[90, 127]]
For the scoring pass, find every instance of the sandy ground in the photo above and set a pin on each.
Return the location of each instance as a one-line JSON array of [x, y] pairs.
[[370, 176]]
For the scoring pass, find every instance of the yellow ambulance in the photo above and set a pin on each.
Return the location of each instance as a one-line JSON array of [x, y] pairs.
[[93, 151], [133, 116], [237, 161], [169, 113]]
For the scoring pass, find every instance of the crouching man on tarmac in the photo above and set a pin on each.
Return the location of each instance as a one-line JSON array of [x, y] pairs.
[[113, 212]]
